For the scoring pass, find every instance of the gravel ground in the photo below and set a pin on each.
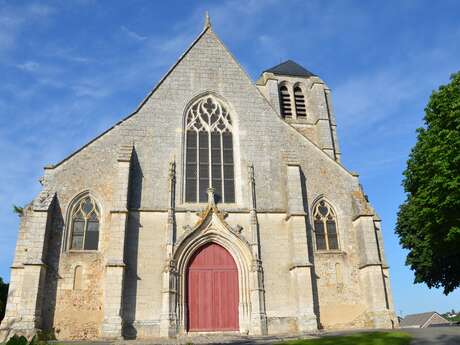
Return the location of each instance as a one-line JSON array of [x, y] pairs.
[[435, 335], [425, 336]]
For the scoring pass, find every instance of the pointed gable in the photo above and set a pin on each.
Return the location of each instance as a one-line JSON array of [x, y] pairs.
[[156, 126], [290, 68]]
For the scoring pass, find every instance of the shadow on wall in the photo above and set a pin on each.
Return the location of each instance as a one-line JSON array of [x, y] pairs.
[[3, 298], [132, 249], [53, 252], [47, 298], [131, 276], [314, 277], [135, 182]]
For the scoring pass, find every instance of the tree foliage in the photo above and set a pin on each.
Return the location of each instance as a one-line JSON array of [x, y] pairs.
[[428, 222], [3, 297]]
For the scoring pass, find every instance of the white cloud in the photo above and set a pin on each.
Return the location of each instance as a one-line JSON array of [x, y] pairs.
[[13, 19], [380, 93], [134, 35], [67, 54], [29, 66]]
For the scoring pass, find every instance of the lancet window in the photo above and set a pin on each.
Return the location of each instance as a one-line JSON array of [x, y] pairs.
[[84, 224], [325, 223], [209, 151]]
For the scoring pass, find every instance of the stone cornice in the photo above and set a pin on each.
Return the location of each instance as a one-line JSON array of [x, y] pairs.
[[115, 263], [300, 265], [370, 265]]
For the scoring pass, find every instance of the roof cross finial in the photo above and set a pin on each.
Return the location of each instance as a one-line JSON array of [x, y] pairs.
[[207, 20]]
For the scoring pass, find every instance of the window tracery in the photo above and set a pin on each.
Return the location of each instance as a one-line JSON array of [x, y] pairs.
[[325, 224], [209, 151], [85, 225]]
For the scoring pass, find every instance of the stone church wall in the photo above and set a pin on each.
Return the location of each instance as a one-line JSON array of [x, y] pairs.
[[75, 309]]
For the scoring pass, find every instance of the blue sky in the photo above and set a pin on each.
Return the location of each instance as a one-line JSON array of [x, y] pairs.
[[69, 70]]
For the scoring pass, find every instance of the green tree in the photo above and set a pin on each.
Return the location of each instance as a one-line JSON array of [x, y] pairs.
[[428, 222], [3, 296]]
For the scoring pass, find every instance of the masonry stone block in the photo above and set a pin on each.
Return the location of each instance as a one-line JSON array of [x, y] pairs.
[[134, 284]]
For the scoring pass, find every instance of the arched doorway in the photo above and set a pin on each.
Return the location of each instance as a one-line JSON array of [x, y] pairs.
[[212, 290]]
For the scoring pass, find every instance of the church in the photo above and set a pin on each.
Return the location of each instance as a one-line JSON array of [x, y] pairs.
[[218, 205]]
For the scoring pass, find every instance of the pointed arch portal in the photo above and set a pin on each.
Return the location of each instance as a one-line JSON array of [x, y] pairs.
[[212, 290], [213, 281]]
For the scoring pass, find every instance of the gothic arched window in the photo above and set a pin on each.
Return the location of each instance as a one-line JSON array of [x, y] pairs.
[[325, 223], [84, 222], [209, 151], [285, 102], [299, 100]]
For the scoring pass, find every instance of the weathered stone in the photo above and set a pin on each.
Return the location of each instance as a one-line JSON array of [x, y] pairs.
[[133, 285]]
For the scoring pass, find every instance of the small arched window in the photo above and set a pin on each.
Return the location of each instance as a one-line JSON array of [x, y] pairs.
[[84, 222], [209, 151], [325, 223], [299, 102], [285, 102], [78, 278]]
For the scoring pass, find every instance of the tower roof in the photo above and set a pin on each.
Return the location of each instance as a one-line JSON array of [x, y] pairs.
[[290, 68]]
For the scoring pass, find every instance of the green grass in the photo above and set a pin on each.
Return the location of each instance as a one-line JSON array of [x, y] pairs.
[[374, 338]]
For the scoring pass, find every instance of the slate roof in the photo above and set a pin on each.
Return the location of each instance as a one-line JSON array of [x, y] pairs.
[[416, 320], [290, 68]]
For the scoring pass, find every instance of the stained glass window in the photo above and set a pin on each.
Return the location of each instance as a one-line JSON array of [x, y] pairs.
[[325, 227], [209, 151], [85, 225]]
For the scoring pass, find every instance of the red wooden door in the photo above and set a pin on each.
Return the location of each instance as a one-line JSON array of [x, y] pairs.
[[212, 290]]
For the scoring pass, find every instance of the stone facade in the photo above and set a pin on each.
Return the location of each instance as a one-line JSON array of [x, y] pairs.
[[134, 285]]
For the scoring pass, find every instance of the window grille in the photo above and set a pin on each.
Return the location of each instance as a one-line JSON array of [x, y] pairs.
[[85, 225], [325, 224], [209, 152]]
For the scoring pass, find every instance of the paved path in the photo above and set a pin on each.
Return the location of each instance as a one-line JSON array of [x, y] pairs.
[[435, 335], [426, 336], [423, 336], [195, 340], [216, 339]]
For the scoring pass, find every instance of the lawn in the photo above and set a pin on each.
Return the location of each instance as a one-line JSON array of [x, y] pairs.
[[374, 338]]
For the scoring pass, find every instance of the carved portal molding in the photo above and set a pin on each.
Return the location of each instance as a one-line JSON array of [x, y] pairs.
[[211, 227]]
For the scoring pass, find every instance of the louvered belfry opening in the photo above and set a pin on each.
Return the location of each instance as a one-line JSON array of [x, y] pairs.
[[299, 99], [285, 100], [209, 152]]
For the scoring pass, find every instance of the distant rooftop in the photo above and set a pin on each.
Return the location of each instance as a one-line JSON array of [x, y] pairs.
[[290, 68], [419, 320], [416, 319]]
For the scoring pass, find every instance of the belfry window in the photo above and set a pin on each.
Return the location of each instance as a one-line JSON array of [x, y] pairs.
[[285, 102], [299, 102], [85, 225], [209, 151], [325, 227]]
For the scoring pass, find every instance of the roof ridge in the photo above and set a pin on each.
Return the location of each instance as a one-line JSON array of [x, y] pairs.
[[290, 68]]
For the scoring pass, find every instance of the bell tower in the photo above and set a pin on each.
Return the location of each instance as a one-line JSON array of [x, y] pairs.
[[303, 100]]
